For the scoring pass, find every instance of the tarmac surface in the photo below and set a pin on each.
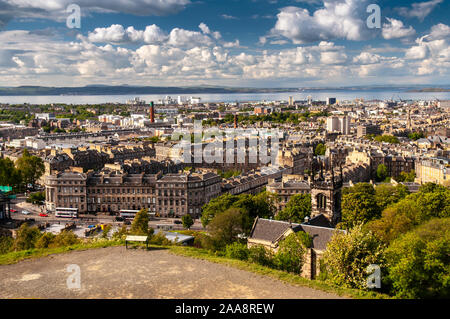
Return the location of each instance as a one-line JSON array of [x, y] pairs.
[[115, 272]]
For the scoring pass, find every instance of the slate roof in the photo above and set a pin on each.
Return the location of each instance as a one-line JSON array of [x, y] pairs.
[[272, 230]]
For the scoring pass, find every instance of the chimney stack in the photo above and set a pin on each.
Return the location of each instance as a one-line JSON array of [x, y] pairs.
[[152, 113]]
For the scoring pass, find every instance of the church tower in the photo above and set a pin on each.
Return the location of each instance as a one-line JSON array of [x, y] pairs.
[[326, 194]]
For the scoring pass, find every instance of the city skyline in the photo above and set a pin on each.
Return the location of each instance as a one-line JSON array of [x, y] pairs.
[[252, 43]]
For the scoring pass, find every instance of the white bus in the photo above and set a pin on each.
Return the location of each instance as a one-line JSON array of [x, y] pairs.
[[66, 212], [130, 214]]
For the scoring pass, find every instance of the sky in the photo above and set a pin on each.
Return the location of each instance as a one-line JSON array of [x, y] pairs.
[[245, 43]]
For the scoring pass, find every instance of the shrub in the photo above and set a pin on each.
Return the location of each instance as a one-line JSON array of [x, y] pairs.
[[160, 240], [26, 237], [106, 231], [64, 239], [349, 254], [121, 233], [6, 243], [237, 251], [260, 255], [45, 240], [291, 253]]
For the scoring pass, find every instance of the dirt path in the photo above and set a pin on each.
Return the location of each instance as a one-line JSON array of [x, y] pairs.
[[119, 273]]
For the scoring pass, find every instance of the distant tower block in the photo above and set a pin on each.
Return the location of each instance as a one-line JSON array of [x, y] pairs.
[[152, 112], [291, 101]]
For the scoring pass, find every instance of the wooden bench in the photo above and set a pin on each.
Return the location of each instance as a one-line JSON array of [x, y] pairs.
[[142, 239]]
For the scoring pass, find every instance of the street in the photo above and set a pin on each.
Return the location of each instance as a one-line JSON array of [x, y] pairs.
[[19, 204]]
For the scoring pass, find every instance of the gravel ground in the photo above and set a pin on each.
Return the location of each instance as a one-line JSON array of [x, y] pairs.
[[115, 272]]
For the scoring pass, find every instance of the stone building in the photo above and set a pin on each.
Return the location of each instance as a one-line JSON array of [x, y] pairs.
[[287, 188], [112, 191], [269, 234]]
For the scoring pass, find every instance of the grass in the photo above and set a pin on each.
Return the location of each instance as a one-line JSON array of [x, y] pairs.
[[277, 274], [16, 256]]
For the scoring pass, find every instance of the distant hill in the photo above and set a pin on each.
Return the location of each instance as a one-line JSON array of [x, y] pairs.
[[132, 90], [100, 89]]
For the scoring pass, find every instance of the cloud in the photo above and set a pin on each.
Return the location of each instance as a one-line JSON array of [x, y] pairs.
[[204, 28], [185, 38], [135, 7], [56, 9], [228, 17], [419, 10], [439, 31], [185, 56], [337, 20], [367, 58], [395, 29]]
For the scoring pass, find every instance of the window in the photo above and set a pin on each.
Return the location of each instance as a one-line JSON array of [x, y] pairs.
[[321, 201]]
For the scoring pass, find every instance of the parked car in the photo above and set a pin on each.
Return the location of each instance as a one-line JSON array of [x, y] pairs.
[[43, 215], [177, 222], [127, 222], [25, 212], [119, 219]]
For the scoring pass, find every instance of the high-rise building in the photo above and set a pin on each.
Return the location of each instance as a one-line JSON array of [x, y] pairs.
[[152, 112], [331, 100], [338, 124]]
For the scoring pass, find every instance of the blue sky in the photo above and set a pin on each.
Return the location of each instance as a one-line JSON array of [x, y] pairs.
[[261, 43]]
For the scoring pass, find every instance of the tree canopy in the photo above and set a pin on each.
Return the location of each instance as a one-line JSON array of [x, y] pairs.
[[31, 167], [298, 207], [359, 205], [419, 261]]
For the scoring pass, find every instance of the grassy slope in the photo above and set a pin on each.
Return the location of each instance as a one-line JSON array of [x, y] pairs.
[[16, 256], [277, 274]]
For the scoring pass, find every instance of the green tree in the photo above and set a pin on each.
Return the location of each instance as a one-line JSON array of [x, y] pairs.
[[140, 223], [349, 254], [419, 261], [216, 206], [260, 205], [292, 252], [36, 198], [406, 177], [225, 227], [387, 139], [9, 175], [31, 167], [187, 221], [298, 207], [320, 149], [359, 205], [387, 194], [382, 172], [416, 135], [432, 201]]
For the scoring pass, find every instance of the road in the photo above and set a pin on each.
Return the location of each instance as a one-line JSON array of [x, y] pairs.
[[116, 272], [20, 204]]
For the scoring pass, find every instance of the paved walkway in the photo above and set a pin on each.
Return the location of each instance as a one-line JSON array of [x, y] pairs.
[[115, 272]]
